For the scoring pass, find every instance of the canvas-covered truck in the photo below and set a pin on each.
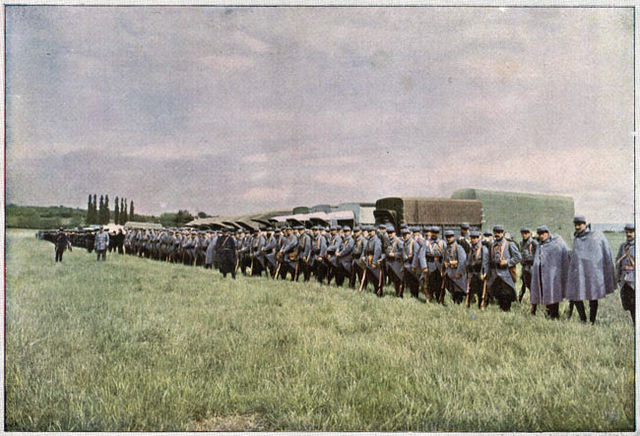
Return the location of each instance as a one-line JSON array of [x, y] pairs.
[[442, 212]]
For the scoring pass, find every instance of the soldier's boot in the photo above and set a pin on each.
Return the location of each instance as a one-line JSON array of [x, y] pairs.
[[579, 305], [534, 308], [569, 311]]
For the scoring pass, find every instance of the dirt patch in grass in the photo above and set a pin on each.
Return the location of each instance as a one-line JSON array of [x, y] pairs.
[[231, 423]]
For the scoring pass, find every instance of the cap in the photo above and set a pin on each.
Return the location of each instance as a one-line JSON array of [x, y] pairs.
[[269, 229], [464, 226], [391, 229], [487, 233], [356, 229], [435, 229], [525, 230], [498, 228], [346, 229], [474, 234], [406, 231], [579, 219], [630, 227], [542, 229], [332, 228], [382, 226], [278, 230], [448, 233]]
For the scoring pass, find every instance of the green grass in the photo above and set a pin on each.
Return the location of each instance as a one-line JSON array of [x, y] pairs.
[[134, 344]]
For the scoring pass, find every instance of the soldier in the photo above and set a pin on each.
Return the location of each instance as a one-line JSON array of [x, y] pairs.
[[383, 234], [256, 255], [371, 261], [101, 243], [270, 251], [431, 263], [304, 254], [465, 238], [504, 256], [318, 252], [211, 250], [344, 256], [410, 252], [528, 248], [226, 249], [626, 265], [591, 272], [61, 244], [358, 248], [477, 269], [289, 255], [455, 264], [333, 245], [487, 239], [549, 272], [395, 261]]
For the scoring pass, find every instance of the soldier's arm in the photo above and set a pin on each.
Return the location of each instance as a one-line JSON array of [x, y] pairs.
[[516, 256]]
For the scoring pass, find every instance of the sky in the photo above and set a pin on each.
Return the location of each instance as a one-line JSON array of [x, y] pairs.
[[238, 110]]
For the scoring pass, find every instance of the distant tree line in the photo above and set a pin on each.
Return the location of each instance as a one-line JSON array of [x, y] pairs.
[[99, 213]]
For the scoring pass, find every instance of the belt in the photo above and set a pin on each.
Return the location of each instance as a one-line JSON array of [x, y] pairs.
[[628, 268]]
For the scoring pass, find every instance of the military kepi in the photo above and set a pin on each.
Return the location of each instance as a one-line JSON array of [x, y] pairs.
[[579, 219]]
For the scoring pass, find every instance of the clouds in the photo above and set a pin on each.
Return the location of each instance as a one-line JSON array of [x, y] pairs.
[[312, 101]]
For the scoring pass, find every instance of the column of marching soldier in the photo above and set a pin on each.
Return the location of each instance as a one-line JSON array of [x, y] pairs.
[[474, 268]]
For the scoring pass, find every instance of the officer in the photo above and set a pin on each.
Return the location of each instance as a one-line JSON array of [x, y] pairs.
[[504, 256], [455, 264], [477, 269], [528, 248], [61, 244], [101, 243], [591, 270], [226, 250], [549, 272], [344, 256], [626, 265]]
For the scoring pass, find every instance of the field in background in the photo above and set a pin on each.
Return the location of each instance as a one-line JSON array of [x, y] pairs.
[[134, 344]]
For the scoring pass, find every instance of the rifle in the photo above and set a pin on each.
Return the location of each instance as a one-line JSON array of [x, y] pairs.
[[295, 274], [402, 283], [468, 294], [379, 292], [484, 294], [442, 287], [364, 275]]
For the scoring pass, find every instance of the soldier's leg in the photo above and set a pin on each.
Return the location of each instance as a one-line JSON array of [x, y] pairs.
[[552, 310], [628, 298], [593, 311], [579, 305]]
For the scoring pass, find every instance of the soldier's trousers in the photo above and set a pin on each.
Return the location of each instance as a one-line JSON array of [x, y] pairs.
[[375, 277], [526, 282], [59, 252], [304, 270], [341, 274], [435, 285], [503, 293], [320, 270], [475, 288], [628, 298], [593, 310], [102, 253], [395, 279], [356, 275], [411, 281]]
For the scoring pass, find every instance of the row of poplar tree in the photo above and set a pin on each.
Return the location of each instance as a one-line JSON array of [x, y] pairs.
[[99, 213]]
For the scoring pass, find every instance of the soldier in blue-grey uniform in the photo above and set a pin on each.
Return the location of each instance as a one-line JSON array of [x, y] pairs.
[[504, 256], [211, 251], [101, 243], [344, 254], [394, 260], [256, 256], [549, 272], [383, 234], [271, 249], [477, 268], [333, 245], [431, 263], [410, 274], [455, 268], [289, 255], [318, 251], [226, 250], [304, 254], [356, 254], [371, 261], [528, 248], [626, 266], [464, 240], [591, 270]]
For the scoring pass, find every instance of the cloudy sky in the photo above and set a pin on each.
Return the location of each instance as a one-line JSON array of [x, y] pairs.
[[233, 110]]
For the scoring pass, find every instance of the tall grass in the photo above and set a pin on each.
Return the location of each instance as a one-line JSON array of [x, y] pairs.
[[134, 344]]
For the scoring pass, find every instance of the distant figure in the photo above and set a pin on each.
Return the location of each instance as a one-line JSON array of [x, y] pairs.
[[504, 256], [101, 243], [591, 273], [626, 264], [61, 244], [528, 248], [227, 255]]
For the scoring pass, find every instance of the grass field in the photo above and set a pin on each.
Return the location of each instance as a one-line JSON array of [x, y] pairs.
[[134, 344]]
